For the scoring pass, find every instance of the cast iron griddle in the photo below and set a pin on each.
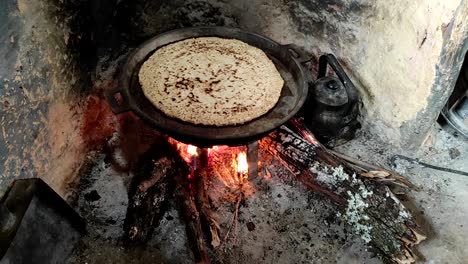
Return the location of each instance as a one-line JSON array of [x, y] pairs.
[[287, 61]]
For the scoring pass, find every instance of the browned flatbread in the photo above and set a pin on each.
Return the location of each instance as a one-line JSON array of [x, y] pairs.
[[211, 81]]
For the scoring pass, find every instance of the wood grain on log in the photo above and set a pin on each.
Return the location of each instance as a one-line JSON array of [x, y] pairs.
[[369, 208], [191, 217], [201, 179]]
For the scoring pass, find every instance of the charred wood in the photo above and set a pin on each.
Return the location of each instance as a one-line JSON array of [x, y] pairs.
[[149, 191], [161, 173], [191, 217], [209, 222], [368, 207]]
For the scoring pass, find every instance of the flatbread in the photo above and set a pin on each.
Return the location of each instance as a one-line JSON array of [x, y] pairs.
[[211, 81]]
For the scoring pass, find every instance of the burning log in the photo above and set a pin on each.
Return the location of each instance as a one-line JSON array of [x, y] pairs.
[[191, 216], [368, 207], [209, 221], [242, 174], [193, 200], [161, 167], [148, 192]]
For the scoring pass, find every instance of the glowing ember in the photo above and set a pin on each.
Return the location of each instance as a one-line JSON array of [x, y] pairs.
[[304, 131], [190, 154], [192, 150], [242, 165], [229, 163], [187, 152], [309, 137]]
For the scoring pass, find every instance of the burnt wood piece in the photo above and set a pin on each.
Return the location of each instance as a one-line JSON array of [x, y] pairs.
[[146, 205], [191, 217], [369, 208], [365, 169], [160, 173], [209, 222], [149, 191]]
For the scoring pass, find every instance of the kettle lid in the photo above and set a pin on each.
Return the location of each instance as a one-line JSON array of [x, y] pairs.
[[330, 91]]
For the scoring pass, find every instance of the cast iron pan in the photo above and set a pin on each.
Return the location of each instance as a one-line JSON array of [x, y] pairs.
[[287, 60]]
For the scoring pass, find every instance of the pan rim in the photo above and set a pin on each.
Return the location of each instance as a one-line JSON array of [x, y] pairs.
[[134, 61]]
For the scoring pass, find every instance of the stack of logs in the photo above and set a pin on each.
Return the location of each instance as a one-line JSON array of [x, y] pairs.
[[162, 174], [359, 191]]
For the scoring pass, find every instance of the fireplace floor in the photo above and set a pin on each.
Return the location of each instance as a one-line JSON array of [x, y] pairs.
[[281, 221], [441, 203]]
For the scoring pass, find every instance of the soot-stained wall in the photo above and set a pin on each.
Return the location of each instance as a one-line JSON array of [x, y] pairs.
[[40, 73]]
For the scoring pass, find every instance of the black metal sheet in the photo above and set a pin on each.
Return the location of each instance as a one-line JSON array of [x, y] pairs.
[[292, 97], [36, 224]]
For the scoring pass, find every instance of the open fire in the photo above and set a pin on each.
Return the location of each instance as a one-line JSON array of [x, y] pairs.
[[186, 151], [214, 191], [191, 155], [242, 165]]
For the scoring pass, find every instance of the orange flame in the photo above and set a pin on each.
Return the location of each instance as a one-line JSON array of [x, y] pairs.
[[242, 165], [187, 152]]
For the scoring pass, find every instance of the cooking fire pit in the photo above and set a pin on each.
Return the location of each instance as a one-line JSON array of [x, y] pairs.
[[294, 93], [152, 188], [184, 158]]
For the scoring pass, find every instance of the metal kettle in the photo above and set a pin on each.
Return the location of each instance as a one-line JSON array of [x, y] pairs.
[[332, 108]]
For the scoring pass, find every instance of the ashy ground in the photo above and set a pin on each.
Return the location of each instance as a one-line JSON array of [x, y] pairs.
[[281, 221]]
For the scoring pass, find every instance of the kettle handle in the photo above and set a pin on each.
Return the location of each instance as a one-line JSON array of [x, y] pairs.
[[330, 59]]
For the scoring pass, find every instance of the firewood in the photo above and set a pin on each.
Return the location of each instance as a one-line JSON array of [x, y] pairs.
[[208, 219], [149, 191], [365, 169], [191, 217], [375, 172], [369, 208], [162, 171]]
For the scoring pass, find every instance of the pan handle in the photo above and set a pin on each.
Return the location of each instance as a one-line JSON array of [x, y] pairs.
[[297, 53], [117, 106]]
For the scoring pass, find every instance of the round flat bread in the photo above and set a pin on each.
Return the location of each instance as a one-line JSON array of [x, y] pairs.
[[211, 81]]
